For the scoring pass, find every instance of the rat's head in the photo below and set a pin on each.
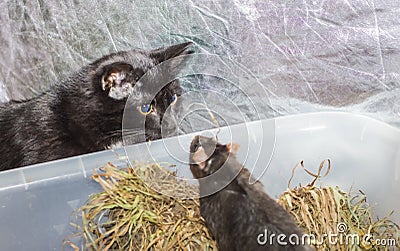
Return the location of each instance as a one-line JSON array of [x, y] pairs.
[[207, 156], [116, 77]]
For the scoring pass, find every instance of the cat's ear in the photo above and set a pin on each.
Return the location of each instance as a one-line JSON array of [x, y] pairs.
[[114, 80], [114, 74], [169, 52]]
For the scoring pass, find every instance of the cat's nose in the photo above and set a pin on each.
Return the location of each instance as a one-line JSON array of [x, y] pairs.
[[169, 127], [166, 133]]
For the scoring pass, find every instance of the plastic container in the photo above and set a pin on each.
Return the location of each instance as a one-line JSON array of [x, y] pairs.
[[36, 202]]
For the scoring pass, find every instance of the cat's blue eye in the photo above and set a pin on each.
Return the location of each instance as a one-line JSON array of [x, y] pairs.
[[146, 109], [174, 98]]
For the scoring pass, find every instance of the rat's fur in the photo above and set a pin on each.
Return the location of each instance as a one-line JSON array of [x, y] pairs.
[[83, 113]]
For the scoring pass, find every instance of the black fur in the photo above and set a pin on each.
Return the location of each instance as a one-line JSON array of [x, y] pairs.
[[83, 113], [239, 212]]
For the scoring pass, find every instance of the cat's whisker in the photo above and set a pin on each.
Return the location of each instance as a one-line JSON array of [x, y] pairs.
[[130, 136]]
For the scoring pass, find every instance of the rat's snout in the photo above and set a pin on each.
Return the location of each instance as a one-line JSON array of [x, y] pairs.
[[197, 152], [200, 157], [201, 149], [194, 146]]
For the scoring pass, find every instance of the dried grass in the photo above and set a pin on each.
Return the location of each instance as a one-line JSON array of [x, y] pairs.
[[324, 210], [131, 215]]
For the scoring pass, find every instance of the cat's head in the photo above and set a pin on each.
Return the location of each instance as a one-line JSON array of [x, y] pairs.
[[116, 77]]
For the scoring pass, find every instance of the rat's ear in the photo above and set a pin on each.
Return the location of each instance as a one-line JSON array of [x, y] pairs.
[[165, 53], [232, 148], [114, 74]]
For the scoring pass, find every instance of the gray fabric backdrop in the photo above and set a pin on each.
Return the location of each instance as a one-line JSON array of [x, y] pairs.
[[309, 55]]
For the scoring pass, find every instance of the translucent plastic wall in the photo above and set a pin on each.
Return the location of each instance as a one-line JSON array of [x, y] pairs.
[[309, 55]]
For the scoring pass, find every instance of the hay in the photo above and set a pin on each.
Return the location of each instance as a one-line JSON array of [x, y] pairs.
[[324, 210], [131, 215]]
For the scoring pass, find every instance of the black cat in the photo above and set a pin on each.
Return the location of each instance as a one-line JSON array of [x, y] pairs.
[[241, 216], [83, 113]]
